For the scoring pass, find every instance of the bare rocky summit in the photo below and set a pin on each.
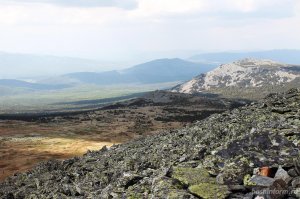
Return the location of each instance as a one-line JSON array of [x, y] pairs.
[[246, 74], [223, 156]]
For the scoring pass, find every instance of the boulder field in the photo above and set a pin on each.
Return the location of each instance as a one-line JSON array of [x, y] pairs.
[[249, 152]]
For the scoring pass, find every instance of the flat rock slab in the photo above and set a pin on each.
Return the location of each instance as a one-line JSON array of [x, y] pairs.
[[262, 181]]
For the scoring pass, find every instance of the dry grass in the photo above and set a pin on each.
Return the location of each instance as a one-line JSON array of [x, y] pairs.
[[24, 144], [21, 154]]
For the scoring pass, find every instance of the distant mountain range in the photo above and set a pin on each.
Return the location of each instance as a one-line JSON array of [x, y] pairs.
[[156, 71], [285, 56], [236, 78], [32, 65]]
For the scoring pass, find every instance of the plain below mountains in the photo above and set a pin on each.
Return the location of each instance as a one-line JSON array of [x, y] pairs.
[[251, 78]]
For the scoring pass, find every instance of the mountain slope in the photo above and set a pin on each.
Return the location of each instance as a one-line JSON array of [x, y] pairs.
[[166, 70], [217, 155], [104, 78], [156, 71], [285, 56], [244, 74]]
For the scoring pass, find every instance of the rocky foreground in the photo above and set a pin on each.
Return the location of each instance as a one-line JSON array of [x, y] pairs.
[[30, 138], [250, 152]]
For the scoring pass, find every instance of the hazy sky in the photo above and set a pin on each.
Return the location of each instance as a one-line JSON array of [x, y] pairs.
[[121, 29]]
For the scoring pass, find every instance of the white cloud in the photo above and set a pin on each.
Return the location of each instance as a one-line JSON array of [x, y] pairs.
[[126, 4], [165, 7], [153, 25], [45, 13], [234, 5], [297, 9]]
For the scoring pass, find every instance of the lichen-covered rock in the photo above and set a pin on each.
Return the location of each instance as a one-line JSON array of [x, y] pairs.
[[210, 190], [216, 152], [247, 180], [192, 176], [200, 182]]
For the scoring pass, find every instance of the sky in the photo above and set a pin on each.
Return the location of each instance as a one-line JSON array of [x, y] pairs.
[[127, 30]]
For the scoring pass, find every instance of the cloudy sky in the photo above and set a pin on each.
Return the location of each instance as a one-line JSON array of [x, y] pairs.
[[122, 29]]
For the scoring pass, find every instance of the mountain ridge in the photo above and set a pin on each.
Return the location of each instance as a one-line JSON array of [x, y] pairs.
[[243, 74], [155, 71]]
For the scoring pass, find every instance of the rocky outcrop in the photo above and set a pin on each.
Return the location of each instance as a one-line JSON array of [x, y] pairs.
[[223, 156], [247, 74]]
